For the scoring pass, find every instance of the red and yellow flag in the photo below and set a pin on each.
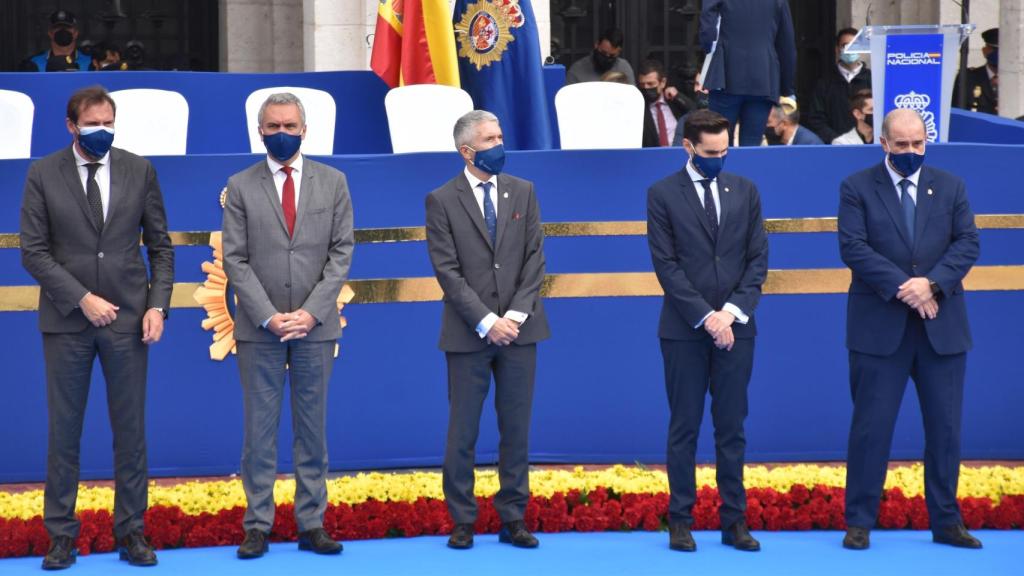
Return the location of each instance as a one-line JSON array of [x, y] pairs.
[[414, 43]]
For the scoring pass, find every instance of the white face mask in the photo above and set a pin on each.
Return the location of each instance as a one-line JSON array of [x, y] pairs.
[[86, 130]]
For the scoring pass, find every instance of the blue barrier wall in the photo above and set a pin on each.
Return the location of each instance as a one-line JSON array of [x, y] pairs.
[[217, 104], [600, 394]]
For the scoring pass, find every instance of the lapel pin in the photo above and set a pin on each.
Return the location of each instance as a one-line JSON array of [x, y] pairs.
[[726, 188], [505, 195], [929, 191]]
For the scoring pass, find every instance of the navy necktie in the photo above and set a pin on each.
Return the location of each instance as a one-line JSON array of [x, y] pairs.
[[92, 194], [709, 208], [490, 216], [909, 209]]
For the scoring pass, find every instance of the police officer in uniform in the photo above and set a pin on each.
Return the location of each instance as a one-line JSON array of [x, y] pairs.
[[63, 54], [983, 81]]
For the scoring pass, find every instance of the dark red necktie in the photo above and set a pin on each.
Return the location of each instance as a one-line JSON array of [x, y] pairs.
[[662, 129], [288, 199]]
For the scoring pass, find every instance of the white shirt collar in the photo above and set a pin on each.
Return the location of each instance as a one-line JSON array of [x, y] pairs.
[[82, 160], [276, 166], [474, 181], [896, 177], [849, 75]]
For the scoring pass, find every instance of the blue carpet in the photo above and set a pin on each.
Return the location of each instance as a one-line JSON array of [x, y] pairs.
[[902, 553]]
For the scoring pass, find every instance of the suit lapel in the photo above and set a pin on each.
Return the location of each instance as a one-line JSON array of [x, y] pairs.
[[69, 169], [726, 195], [888, 193], [506, 200], [924, 204], [690, 194], [118, 177], [267, 180], [469, 203], [305, 195]]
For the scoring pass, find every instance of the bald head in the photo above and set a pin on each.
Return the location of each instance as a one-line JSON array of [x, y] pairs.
[[903, 131]]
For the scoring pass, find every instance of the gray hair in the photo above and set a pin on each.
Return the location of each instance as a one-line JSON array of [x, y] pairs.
[[282, 98], [893, 114], [780, 114], [465, 127]]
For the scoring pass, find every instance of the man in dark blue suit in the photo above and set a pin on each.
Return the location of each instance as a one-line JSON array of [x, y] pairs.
[[907, 233], [710, 254], [754, 61]]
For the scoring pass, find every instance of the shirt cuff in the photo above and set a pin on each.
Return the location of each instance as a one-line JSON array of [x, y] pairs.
[[735, 311], [701, 323], [516, 316], [485, 325], [267, 321]]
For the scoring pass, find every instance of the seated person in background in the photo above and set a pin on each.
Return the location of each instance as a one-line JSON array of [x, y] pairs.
[[663, 112], [63, 54], [828, 114], [615, 76], [605, 58], [784, 126], [107, 56], [862, 106]]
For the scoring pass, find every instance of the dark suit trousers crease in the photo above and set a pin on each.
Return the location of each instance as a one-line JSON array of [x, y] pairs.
[[69, 362], [469, 379], [877, 384], [692, 369], [262, 369]]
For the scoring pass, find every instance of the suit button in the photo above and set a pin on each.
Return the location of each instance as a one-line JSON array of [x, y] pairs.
[[497, 266], [287, 284], [100, 255], [291, 251], [494, 294], [718, 259]]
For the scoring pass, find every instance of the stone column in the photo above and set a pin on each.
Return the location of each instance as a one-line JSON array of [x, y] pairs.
[[1011, 59], [334, 35]]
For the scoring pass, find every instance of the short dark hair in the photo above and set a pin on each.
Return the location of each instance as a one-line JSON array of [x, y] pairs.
[[87, 97], [614, 37], [845, 32], [701, 122], [859, 99], [648, 66]]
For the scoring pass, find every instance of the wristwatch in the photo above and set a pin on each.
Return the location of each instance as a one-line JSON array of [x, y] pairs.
[[934, 286], [161, 311]]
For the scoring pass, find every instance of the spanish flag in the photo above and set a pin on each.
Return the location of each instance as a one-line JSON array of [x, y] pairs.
[[414, 43]]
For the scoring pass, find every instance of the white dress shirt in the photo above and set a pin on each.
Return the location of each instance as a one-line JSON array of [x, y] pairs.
[[697, 177], [896, 178], [848, 74], [661, 107], [280, 177], [485, 325], [102, 177]]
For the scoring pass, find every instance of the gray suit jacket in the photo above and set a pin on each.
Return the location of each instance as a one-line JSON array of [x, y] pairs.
[[477, 278], [63, 250], [272, 272]]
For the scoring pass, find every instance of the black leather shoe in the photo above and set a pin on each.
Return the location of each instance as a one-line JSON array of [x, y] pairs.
[[679, 537], [738, 536], [462, 537], [254, 546], [955, 535], [857, 538], [61, 554], [319, 541], [136, 550], [516, 534]]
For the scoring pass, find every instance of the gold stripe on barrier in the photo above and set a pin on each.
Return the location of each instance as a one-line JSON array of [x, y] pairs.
[[578, 230], [585, 285]]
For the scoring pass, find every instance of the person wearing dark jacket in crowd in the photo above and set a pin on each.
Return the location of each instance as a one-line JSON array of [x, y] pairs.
[[828, 114]]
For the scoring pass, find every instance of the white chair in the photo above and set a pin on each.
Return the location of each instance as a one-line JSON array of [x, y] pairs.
[[421, 117], [321, 113], [151, 122], [16, 114], [600, 115]]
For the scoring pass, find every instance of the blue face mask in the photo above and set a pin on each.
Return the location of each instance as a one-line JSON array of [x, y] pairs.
[[849, 58], [491, 160], [993, 58], [708, 167], [95, 140], [282, 145], [906, 163]]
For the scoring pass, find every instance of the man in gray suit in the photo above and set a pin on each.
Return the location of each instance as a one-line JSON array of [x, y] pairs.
[[486, 245], [80, 219], [287, 249]]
